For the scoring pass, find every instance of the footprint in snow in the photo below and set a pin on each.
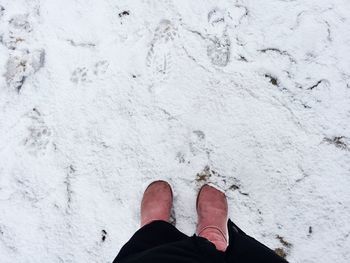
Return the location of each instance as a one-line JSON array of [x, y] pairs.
[[82, 75], [218, 49], [100, 67], [159, 56], [39, 135], [19, 29], [21, 65]]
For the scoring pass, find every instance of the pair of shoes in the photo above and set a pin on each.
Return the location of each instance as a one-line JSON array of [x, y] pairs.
[[212, 211]]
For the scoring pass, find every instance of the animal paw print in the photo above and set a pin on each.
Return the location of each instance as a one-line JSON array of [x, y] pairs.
[[39, 134], [218, 49], [100, 67], [159, 57], [83, 75], [80, 75], [180, 157]]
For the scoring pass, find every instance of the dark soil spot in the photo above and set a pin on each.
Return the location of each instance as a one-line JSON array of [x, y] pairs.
[[234, 187], [204, 175], [283, 241], [104, 235], [237, 187], [280, 251], [124, 13], [72, 169], [338, 141], [2, 9], [315, 85], [242, 58], [273, 80]]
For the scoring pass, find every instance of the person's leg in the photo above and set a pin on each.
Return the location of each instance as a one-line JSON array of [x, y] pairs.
[[152, 235], [156, 203], [155, 227], [213, 225], [243, 248], [212, 210]]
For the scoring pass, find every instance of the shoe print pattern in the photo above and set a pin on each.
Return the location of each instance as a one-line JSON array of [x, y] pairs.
[[218, 49], [159, 57]]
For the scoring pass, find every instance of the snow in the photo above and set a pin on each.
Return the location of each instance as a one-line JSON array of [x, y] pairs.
[[99, 98]]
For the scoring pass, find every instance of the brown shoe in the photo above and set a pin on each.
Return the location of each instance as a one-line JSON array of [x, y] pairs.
[[156, 202], [212, 210]]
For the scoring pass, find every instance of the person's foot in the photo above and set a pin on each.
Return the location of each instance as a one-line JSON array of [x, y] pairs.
[[212, 210], [156, 202]]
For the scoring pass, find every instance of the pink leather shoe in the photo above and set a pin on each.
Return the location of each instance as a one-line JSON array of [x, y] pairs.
[[212, 210], [156, 202]]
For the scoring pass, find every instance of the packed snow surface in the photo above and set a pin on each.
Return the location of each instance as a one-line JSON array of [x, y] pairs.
[[100, 97]]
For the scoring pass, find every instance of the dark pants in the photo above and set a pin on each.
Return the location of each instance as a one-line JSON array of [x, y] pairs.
[[160, 241]]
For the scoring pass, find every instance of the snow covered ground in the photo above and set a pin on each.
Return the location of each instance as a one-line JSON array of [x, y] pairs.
[[99, 98]]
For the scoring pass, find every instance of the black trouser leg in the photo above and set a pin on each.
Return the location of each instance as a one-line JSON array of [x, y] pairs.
[[151, 235], [245, 249]]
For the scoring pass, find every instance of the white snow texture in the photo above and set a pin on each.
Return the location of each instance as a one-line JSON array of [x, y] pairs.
[[100, 97]]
